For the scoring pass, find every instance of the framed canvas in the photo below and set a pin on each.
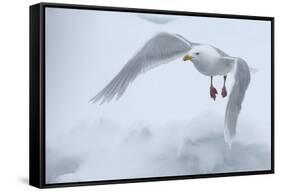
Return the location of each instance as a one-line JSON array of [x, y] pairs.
[[121, 95]]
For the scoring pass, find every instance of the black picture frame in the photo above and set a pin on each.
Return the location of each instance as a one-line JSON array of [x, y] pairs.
[[37, 94]]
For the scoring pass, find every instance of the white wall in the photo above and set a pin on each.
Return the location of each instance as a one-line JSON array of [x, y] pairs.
[[14, 93]]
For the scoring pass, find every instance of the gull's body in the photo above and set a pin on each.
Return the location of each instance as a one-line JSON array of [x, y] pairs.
[[213, 64], [208, 60]]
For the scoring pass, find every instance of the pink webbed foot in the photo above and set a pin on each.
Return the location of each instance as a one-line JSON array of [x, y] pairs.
[[213, 92], [224, 92]]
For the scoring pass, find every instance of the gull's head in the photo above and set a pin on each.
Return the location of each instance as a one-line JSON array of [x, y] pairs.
[[201, 53]]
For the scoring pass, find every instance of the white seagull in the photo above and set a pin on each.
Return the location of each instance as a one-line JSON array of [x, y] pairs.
[[208, 60], [157, 19]]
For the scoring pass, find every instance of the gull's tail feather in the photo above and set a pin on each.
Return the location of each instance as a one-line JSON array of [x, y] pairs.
[[253, 70], [233, 108]]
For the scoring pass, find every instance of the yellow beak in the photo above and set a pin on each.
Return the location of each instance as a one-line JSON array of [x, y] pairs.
[[187, 57]]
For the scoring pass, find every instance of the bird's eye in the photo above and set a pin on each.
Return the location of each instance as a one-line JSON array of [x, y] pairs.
[[197, 53]]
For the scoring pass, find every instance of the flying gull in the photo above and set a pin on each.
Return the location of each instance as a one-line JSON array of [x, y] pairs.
[[157, 19], [208, 60]]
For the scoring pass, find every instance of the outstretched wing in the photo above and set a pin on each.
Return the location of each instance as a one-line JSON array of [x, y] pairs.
[[233, 108], [161, 49]]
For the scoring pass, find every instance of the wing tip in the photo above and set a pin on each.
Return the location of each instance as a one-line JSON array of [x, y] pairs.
[[228, 138], [102, 99], [95, 100], [92, 101]]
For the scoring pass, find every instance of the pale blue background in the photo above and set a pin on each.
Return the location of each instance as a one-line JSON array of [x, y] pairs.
[[161, 112]]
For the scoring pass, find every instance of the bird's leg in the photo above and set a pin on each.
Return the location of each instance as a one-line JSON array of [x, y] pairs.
[[224, 92], [213, 90]]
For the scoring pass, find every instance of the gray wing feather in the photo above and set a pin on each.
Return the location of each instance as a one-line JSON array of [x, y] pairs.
[[233, 108], [160, 49]]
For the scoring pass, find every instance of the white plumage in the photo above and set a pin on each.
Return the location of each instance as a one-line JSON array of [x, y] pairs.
[[208, 60]]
